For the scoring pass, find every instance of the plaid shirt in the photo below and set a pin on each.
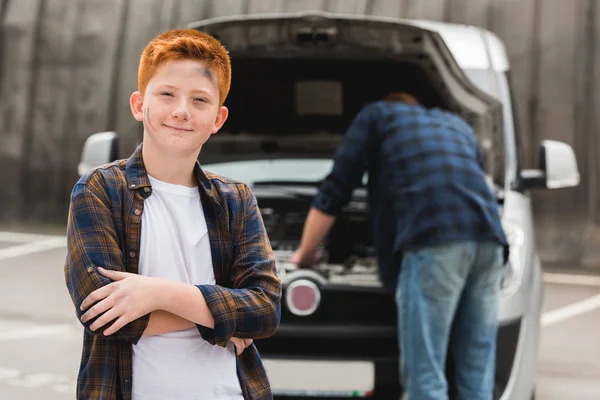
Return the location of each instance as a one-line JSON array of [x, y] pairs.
[[426, 182], [104, 228]]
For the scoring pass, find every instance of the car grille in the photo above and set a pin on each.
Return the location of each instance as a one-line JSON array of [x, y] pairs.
[[349, 305]]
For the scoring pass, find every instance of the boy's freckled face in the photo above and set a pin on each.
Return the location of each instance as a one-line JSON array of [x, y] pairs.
[[181, 106]]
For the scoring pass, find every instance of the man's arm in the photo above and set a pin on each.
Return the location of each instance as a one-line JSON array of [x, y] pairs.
[[92, 242], [352, 158], [317, 226]]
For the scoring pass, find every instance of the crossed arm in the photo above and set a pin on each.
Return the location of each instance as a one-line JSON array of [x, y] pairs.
[[172, 305], [102, 292], [179, 306]]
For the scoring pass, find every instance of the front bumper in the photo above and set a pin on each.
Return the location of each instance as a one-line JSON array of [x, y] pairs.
[[378, 345]]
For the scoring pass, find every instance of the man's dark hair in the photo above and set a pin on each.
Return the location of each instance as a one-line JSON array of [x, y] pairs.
[[402, 97]]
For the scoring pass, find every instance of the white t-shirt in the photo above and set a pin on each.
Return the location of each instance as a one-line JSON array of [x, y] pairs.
[[175, 245]]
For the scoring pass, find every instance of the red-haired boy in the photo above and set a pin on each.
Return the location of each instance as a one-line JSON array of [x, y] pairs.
[[169, 267]]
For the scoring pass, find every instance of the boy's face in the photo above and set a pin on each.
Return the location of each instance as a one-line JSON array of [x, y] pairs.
[[180, 109]]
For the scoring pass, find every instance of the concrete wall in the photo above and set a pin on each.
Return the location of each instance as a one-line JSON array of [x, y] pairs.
[[67, 68]]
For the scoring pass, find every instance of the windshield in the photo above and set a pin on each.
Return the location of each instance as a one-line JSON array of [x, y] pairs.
[[495, 84]]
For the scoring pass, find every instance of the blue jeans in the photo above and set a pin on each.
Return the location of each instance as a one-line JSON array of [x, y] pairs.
[[448, 296]]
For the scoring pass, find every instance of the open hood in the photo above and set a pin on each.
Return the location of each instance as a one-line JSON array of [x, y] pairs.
[[325, 36]]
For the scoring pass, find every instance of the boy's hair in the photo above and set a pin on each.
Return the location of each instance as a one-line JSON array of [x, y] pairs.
[[186, 44]]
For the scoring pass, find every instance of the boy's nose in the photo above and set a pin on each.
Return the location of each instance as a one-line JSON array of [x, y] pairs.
[[181, 111], [181, 115]]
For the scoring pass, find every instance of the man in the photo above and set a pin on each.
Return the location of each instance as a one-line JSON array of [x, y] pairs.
[[436, 223], [169, 267]]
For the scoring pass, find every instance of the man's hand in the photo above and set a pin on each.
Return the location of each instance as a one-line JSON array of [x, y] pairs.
[[127, 298], [305, 259], [240, 344], [316, 227]]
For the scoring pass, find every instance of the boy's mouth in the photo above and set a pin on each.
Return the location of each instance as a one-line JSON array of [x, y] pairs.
[[177, 128]]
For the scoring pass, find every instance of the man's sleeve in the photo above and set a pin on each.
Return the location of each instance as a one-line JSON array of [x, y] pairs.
[[92, 242], [252, 309], [351, 159]]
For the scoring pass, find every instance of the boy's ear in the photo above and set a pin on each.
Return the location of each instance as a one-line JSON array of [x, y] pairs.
[[221, 118], [136, 102]]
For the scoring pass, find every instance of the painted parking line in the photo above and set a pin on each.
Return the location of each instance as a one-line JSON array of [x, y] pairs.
[[570, 311], [36, 331], [18, 237], [60, 383], [31, 248], [572, 279]]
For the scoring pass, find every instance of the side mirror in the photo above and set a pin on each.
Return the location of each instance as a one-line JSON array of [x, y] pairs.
[[557, 168], [99, 149]]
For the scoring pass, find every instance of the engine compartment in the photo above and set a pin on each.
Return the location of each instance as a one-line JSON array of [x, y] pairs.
[[348, 250]]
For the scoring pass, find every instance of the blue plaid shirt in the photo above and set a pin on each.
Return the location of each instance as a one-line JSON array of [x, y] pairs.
[[426, 182]]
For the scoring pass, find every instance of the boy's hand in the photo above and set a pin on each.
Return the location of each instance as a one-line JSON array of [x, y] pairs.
[[127, 298], [240, 344]]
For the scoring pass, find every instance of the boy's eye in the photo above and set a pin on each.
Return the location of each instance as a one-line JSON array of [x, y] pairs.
[[166, 94], [200, 99]]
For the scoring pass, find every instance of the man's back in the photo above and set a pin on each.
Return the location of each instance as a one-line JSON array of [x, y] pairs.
[[426, 182], [439, 188]]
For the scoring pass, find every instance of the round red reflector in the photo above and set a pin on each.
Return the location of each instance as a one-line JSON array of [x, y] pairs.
[[303, 297]]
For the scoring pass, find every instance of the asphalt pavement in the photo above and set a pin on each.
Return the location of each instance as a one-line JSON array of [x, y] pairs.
[[40, 338]]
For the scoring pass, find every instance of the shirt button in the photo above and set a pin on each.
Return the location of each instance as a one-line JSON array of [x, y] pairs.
[[146, 189], [137, 212], [132, 254], [132, 185], [90, 269]]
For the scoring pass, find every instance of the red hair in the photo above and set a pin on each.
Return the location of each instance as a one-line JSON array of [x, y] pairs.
[[186, 44]]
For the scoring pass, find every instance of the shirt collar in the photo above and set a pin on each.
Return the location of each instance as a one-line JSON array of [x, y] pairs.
[[137, 176], [135, 171]]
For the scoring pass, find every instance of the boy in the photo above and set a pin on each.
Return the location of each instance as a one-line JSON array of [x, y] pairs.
[[169, 267]]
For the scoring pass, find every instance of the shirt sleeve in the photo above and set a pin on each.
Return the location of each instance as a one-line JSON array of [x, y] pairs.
[[92, 242], [350, 162], [252, 308]]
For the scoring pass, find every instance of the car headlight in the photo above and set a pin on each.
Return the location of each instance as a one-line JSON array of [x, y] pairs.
[[516, 261]]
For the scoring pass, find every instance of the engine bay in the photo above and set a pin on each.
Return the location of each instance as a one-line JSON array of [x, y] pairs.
[[348, 253]]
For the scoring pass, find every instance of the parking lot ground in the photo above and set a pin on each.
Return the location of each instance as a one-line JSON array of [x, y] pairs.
[[40, 339]]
